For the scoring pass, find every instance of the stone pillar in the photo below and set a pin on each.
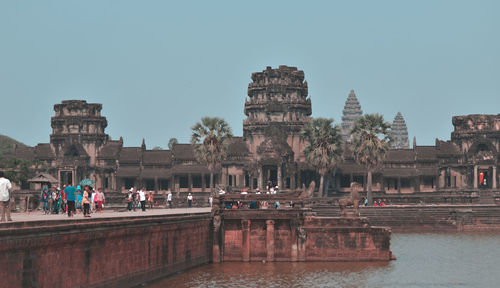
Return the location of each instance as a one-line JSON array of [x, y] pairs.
[[245, 229], [475, 176], [399, 184], [190, 182], [292, 181], [259, 180], [279, 181], [270, 240], [494, 178], [22, 204], [203, 183], [156, 184]]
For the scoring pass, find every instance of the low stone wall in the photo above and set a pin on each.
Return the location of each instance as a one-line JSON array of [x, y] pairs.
[[116, 252], [279, 235]]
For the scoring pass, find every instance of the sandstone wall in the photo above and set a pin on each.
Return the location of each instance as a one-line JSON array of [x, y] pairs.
[[113, 252]]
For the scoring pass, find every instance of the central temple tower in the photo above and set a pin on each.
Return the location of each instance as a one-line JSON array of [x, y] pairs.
[[277, 108], [277, 105]]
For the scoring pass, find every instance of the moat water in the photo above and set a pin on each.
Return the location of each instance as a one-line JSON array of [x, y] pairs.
[[423, 260]]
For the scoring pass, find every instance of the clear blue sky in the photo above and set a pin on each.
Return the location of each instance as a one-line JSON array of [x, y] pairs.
[[159, 66]]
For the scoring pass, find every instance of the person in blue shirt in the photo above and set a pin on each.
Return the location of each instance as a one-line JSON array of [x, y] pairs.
[[70, 192]]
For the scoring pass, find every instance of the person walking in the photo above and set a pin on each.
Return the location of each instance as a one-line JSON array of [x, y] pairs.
[[169, 199], [86, 201], [150, 200], [130, 199], [142, 199], [100, 199], [70, 193], [44, 198], [5, 187], [190, 200]]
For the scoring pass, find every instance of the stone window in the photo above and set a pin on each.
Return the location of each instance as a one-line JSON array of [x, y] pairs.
[[150, 185], [129, 183], [345, 181], [164, 184], [183, 182], [405, 183], [196, 181], [207, 181], [429, 181], [247, 180]]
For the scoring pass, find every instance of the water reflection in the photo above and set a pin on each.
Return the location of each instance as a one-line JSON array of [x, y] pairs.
[[424, 260]]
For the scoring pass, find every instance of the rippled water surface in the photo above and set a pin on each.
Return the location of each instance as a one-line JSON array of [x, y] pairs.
[[423, 260]]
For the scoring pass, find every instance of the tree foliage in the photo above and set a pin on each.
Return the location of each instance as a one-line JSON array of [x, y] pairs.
[[370, 140], [324, 145], [172, 142], [210, 140]]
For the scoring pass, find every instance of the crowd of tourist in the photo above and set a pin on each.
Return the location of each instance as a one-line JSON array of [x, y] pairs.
[[138, 198], [72, 200]]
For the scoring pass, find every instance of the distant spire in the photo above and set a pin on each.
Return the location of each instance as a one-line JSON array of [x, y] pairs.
[[399, 133], [352, 111], [143, 145], [414, 142]]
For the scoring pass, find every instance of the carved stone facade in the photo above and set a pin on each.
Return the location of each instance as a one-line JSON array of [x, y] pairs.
[[270, 151]]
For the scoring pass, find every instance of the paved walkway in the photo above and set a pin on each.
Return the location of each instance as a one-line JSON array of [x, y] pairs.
[[38, 215]]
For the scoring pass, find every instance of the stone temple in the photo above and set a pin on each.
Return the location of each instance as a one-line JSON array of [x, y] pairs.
[[399, 133], [352, 111], [277, 107]]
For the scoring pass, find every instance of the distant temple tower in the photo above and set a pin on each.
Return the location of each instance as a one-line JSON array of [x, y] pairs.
[[352, 111], [78, 130], [399, 133]]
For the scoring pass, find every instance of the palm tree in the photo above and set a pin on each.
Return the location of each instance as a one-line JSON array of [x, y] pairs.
[[172, 142], [370, 140], [324, 146], [210, 140]]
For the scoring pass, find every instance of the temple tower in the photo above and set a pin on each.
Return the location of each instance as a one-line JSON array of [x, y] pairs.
[[78, 130], [399, 133], [277, 108], [352, 111], [277, 100]]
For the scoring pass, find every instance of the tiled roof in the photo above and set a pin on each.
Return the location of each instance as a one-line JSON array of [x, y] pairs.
[[399, 172], [183, 152], [426, 153], [162, 157], [237, 146], [110, 150], [130, 155], [193, 169], [26, 153], [44, 151], [128, 171], [447, 149], [149, 173], [400, 155]]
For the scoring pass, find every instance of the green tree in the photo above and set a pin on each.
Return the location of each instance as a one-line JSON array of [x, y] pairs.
[[324, 146], [370, 140], [210, 142], [172, 142]]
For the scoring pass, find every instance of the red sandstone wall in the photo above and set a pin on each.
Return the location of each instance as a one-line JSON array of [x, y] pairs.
[[116, 252], [327, 239]]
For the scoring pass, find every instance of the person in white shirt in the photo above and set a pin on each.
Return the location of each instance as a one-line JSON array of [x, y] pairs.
[[190, 200], [169, 199], [5, 188], [142, 198]]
